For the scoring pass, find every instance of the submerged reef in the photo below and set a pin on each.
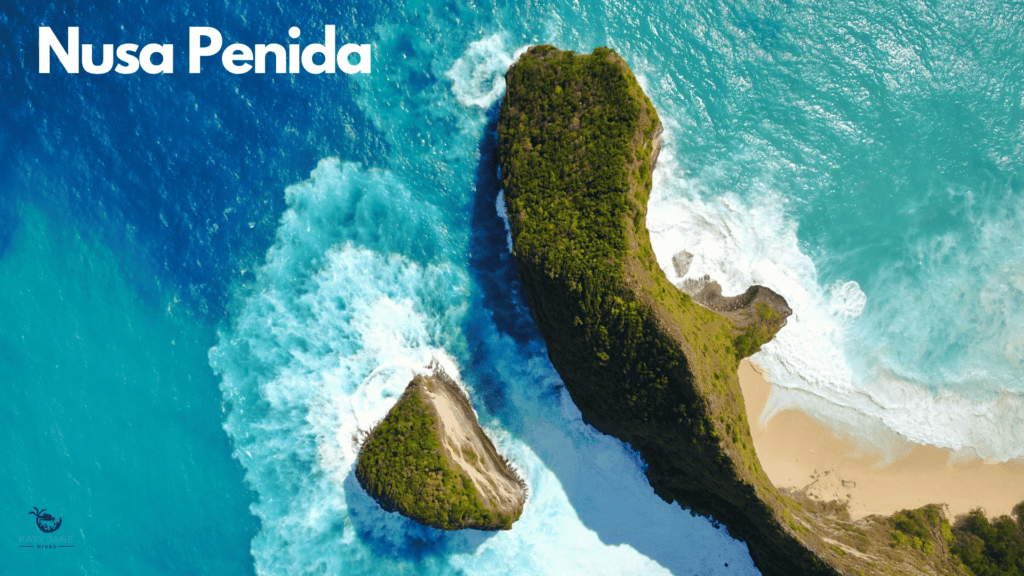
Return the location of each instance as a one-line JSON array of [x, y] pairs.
[[645, 362], [430, 461]]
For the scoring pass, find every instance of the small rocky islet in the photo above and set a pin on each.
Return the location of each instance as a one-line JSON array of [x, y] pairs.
[[430, 460]]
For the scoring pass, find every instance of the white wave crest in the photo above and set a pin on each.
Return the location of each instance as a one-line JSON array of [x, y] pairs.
[[819, 361], [738, 245], [478, 77]]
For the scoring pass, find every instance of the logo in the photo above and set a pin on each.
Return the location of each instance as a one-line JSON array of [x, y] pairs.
[[46, 522]]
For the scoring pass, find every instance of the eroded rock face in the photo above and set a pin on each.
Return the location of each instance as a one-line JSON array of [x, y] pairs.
[[681, 262], [758, 306], [430, 461], [760, 312], [644, 361]]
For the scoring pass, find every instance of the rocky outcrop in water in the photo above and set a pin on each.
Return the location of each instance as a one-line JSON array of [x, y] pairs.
[[430, 461]]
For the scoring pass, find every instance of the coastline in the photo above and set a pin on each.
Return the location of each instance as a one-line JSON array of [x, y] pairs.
[[797, 451]]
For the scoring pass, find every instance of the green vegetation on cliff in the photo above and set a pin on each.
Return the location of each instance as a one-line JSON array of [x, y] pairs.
[[990, 548], [402, 466], [577, 136], [643, 361], [757, 333], [577, 144], [980, 547], [916, 528]]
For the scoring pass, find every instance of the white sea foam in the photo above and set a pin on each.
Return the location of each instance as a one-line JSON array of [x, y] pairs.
[[825, 361], [739, 245], [499, 207], [325, 340], [478, 77]]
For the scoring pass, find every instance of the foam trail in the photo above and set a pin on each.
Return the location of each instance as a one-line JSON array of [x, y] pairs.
[[478, 77]]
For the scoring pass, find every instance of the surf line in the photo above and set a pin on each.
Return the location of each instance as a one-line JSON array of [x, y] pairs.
[[203, 42]]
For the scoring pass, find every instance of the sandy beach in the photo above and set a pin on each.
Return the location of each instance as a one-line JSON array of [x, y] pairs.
[[801, 452]]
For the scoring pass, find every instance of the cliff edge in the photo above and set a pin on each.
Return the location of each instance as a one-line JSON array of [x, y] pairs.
[[643, 361], [430, 461]]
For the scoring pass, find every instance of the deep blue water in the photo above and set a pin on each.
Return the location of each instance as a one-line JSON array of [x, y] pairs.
[[211, 284]]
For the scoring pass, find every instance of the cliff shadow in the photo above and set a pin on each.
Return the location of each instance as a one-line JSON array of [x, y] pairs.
[[603, 479], [493, 269], [490, 261], [391, 535]]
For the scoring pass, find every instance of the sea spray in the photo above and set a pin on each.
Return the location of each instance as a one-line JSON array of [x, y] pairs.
[[478, 75]]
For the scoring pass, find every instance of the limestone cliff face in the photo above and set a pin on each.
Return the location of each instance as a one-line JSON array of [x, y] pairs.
[[642, 360], [430, 461]]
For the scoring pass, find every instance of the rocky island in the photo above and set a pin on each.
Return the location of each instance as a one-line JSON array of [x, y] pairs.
[[644, 361], [430, 460]]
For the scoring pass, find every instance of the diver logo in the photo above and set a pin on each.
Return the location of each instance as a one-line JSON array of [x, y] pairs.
[[45, 522]]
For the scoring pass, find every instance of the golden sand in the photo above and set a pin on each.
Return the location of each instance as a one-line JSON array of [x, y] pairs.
[[798, 451]]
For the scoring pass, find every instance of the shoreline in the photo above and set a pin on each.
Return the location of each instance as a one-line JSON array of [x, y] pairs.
[[797, 451]]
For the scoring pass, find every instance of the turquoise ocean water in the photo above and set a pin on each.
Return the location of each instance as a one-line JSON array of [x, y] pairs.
[[211, 285]]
